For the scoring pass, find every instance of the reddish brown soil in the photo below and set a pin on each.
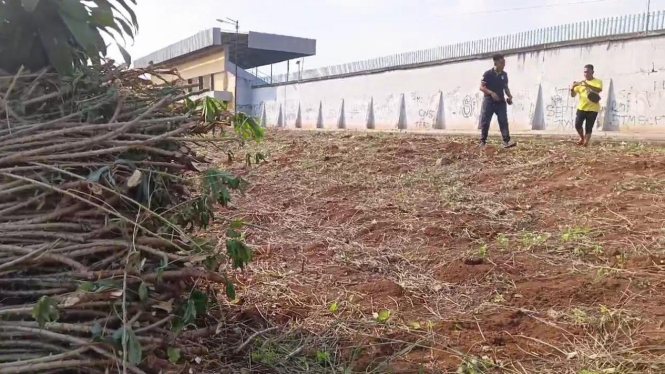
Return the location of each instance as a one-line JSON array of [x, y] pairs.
[[545, 258]]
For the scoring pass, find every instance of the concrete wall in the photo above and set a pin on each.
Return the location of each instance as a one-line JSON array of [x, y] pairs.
[[446, 96]]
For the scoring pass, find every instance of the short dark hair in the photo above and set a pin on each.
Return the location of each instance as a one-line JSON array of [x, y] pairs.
[[497, 57], [589, 66]]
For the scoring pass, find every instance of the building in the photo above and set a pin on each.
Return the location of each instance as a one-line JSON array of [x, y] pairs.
[[209, 58]]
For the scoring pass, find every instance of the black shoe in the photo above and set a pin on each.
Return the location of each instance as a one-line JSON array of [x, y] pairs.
[[482, 145], [509, 144]]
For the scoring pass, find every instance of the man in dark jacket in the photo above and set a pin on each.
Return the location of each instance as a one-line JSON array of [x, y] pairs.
[[493, 85]]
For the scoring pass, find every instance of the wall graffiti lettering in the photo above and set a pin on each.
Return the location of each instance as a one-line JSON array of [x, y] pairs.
[[659, 85], [425, 118], [638, 108], [562, 108], [415, 97], [468, 106], [251, 109], [521, 101], [426, 113]]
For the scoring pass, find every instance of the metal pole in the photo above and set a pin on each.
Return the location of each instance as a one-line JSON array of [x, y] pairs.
[[270, 73], [288, 66], [646, 27], [235, 93]]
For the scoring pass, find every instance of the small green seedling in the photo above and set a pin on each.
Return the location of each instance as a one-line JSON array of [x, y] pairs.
[[482, 251], [382, 317]]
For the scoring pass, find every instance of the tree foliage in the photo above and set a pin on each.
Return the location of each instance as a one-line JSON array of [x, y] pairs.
[[64, 34]]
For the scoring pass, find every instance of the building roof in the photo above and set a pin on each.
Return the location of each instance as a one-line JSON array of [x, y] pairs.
[[253, 48]]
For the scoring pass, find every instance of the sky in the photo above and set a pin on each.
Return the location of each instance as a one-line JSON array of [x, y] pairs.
[[353, 30]]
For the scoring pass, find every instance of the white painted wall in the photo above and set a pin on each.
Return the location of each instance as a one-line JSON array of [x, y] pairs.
[[446, 96]]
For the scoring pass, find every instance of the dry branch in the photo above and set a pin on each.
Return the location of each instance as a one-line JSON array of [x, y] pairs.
[[95, 257]]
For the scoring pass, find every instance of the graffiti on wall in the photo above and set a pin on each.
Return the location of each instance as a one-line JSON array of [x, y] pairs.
[[254, 110], [469, 106], [421, 109], [630, 108], [426, 118], [561, 109]]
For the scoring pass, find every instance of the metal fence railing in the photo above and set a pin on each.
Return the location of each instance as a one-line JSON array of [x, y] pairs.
[[629, 24]]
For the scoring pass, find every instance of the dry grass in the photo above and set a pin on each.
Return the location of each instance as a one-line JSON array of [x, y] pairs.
[[546, 258]]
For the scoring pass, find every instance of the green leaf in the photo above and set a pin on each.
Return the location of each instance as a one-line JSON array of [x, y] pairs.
[[87, 287], [240, 254], [103, 18], [83, 34], [143, 292], [231, 233], [247, 127], [125, 27], [97, 331], [131, 13], [96, 175], [200, 300], [212, 262], [100, 286], [323, 357], [45, 311], [383, 316], [54, 39], [237, 224], [125, 55], [334, 307], [134, 349], [189, 105], [177, 325], [29, 5], [174, 354], [190, 312], [117, 337], [75, 9], [230, 290]]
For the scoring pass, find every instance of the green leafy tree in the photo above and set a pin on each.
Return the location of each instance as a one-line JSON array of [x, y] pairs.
[[64, 34]]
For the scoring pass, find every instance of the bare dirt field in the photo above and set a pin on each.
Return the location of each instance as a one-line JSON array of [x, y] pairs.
[[422, 254]]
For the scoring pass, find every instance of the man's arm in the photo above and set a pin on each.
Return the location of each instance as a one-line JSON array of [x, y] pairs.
[[593, 88], [509, 96], [506, 89], [573, 89], [487, 91]]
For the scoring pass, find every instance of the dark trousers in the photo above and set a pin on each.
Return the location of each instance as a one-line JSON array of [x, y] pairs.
[[583, 116], [491, 107]]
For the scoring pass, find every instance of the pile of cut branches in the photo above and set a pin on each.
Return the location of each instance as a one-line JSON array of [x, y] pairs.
[[98, 266]]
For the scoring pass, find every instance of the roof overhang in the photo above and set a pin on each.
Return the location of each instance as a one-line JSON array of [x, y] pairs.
[[252, 49]]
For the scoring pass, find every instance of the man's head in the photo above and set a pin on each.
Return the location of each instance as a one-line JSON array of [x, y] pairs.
[[588, 72], [499, 62]]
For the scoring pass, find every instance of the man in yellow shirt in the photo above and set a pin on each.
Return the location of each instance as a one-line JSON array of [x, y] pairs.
[[589, 106]]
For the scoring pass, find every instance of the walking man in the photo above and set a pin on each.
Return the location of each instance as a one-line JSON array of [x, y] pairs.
[[589, 106], [493, 85]]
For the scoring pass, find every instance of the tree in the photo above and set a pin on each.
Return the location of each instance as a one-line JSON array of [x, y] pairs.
[[65, 34]]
